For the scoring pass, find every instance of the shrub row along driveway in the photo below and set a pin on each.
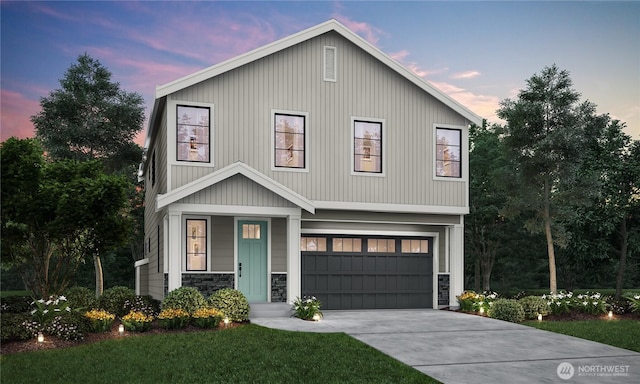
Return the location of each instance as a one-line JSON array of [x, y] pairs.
[[459, 348]]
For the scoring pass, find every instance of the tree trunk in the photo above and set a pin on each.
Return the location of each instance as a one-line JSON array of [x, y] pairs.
[[99, 278], [553, 285], [622, 264]]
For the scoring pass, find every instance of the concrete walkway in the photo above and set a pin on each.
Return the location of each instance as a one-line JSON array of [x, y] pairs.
[[459, 348]]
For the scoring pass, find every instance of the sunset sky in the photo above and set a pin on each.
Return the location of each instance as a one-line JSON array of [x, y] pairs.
[[478, 52]]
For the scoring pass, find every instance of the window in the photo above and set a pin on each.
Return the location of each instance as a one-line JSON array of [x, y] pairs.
[[289, 140], [196, 245], [381, 245], [415, 246], [313, 244], [153, 168], [251, 231], [193, 133], [347, 245], [367, 146], [448, 150]]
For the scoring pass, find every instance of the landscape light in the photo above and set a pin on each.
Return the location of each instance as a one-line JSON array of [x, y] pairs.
[[610, 315], [316, 317], [40, 338], [539, 316], [120, 329]]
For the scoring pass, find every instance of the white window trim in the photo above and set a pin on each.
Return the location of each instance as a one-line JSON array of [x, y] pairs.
[[183, 243], [384, 146], [335, 64], [307, 131], [464, 152], [172, 134]]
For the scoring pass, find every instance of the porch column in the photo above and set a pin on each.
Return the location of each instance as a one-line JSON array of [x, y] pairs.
[[294, 271], [175, 258], [456, 257]]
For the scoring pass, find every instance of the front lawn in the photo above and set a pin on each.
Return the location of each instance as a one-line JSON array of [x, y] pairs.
[[246, 354], [619, 333]]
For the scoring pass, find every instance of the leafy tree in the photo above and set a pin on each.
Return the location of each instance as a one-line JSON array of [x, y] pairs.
[[485, 225], [544, 134], [91, 118], [58, 216]]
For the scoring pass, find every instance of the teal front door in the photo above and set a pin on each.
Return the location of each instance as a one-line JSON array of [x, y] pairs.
[[252, 260]]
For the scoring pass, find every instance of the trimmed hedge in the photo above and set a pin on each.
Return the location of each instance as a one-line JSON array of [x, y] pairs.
[[508, 310], [232, 303]]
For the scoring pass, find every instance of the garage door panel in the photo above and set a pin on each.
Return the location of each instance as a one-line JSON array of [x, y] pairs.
[[371, 278]]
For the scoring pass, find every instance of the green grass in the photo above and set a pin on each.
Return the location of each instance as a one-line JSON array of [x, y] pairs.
[[247, 354], [14, 293], [619, 333]]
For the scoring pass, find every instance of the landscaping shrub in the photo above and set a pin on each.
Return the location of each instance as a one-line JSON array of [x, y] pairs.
[[173, 318], [468, 301], [81, 298], [306, 308], [508, 310], [113, 299], [232, 303], [618, 306], [11, 327], [559, 303], [534, 305], [188, 299], [101, 320], [591, 303], [15, 304], [207, 317], [137, 322], [145, 304], [69, 326], [634, 301]]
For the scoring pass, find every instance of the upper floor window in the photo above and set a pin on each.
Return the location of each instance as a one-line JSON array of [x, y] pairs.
[[448, 152], [367, 146], [290, 140], [193, 133]]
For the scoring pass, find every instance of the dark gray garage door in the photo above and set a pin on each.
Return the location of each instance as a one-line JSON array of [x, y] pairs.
[[368, 272]]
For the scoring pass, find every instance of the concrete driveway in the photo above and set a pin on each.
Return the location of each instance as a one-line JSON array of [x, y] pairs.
[[459, 348]]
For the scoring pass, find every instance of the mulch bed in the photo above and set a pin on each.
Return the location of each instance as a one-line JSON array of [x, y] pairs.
[[51, 342]]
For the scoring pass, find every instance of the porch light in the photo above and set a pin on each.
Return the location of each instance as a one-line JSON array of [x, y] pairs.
[[40, 338], [610, 315], [539, 316], [120, 329]]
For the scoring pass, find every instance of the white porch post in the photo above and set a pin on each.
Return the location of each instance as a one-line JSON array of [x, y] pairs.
[[294, 270], [175, 258], [456, 249]]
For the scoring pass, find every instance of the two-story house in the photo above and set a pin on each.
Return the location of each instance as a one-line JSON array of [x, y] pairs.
[[315, 165]]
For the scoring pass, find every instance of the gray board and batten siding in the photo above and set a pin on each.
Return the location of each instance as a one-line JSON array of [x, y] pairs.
[[292, 80]]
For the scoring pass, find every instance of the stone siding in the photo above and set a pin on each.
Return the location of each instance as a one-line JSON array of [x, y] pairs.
[[208, 283], [278, 288]]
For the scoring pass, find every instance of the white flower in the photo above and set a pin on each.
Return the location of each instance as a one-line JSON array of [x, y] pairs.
[[584, 303], [41, 301], [34, 311], [68, 309], [637, 297], [49, 302], [62, 298], [45, 311]]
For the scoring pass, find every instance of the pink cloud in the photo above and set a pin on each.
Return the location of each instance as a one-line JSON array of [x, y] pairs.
[[466, 75], [370, 33], [482, 105], [16, 111]]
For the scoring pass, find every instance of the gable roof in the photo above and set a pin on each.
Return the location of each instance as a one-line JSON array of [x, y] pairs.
[[227, 172], [289, 41]]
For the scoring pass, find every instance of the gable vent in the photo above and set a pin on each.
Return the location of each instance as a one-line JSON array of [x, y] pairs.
[[330, 64]]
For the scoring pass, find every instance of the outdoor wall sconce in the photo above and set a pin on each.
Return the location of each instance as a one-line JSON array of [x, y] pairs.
[[40, 338], [120, 329]]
